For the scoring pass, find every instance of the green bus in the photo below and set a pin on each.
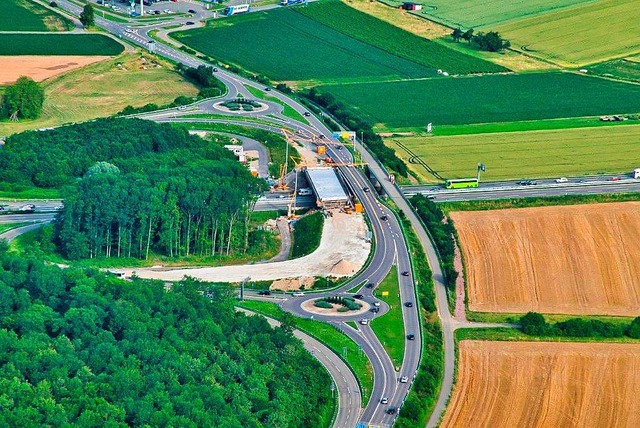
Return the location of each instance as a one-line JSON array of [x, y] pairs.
[[462, 183]]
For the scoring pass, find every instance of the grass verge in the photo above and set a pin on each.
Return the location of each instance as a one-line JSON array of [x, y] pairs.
[[332, 338], [8, 226], [307, 233], [389, 328], [510, 334]]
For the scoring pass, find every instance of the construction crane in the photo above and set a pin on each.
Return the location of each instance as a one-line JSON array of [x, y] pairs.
[[283, 168]]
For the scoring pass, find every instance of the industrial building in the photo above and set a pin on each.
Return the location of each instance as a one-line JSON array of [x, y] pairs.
[[327, 187]]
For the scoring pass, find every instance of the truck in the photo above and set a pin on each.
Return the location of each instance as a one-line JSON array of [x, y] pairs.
[[234, 10], [636, 173], [292, 2]]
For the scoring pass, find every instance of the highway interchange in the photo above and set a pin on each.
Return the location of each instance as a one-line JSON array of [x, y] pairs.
[[391, 250]]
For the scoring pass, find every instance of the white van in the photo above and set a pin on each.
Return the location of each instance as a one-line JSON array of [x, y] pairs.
[[298, 294], [305, 191]]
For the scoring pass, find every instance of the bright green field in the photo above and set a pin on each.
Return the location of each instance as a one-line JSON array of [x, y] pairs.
[[373, 31], [483, 13], [24, 15], [580, 35], [58, 44], [486, 99], [325, 42], [618, 68], [512, 155]]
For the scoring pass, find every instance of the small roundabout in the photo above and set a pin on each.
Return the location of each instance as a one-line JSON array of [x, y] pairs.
[[340, 308], [241, 105]]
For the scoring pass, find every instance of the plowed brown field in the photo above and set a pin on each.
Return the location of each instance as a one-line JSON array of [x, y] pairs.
[[40, 68], [525, 384], [579, 259]]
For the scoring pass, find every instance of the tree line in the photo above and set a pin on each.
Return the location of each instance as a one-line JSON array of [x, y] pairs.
[[442, 232], [80, 348], [535, 324], [134, 186]]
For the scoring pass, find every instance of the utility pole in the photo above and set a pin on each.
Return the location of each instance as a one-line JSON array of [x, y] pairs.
[[141, 8], [244, 281]]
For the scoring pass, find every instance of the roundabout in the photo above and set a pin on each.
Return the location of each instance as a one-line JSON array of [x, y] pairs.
[[240, 106], [310, 307]]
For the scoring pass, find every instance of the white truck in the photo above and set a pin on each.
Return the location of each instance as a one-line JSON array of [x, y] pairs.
[[234, 10], [636, 173]]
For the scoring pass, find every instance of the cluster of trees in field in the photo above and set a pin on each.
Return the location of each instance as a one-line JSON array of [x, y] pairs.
[[133, 186], [534, 324], [79, 348], [87, 16], [491, 41], [22, 100], [442, 231], [373, 141]]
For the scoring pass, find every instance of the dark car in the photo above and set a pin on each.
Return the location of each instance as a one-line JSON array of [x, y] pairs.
[[358, 296], [365, 189], [383, 217], [191, 11], [190, 23], [391, 411], [370, 285], [267, 89], [375, 310], [409, 304], [307, 114], [411, 337], [264, 293], [405, 273]]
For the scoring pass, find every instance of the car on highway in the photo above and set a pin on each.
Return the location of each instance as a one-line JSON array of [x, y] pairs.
[[191, 11], [376, 304], [405, 273], [189, 23], [365, 189], [411, 337], [375, 310], [383, 217], [391, 411], [364, 321], [358, 296], [404, 379], [370, 285], [128, 30], [431, 197], [409, 304], [562, 180], [306, 114], [264, 293], [267, 89], [614, 179], [215, 69], [298, 294], [182, 108], [384, 400]]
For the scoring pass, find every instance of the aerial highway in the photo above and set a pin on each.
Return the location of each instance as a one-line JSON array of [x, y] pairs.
[[390, 245]]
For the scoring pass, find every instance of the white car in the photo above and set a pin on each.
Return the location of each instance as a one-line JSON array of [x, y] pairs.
[[298, 294], [364, 321], [404, 379], [376, 304], [562, 180]]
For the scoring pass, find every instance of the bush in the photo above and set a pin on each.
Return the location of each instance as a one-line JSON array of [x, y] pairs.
[[323, 304], [534, 324]]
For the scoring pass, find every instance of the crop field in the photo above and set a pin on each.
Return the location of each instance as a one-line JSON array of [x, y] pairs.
[[581, 35], [628, 69], [375, 32], [103, 89], [59, 44], [40, 68], [513, 155], [574, 259], [485, 13], [543, 384], [24, 15], [326, 48], [486, 99]]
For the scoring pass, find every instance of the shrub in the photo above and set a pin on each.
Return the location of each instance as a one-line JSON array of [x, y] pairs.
[[323, 304]]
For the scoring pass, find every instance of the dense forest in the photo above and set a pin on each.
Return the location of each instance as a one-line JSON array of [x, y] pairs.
[[132, 186], [82, 348]]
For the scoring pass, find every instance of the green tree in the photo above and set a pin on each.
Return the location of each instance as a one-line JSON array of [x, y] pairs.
[[23, 99], [457, 35], [87, 17], [634, 328], [468, 35]]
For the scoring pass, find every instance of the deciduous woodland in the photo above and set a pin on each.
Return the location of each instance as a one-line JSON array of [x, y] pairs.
[[81, 348], [132, 186]]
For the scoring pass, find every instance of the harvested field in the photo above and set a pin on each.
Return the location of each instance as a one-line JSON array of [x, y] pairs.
[[40, 68], [576, 259], [542, 384]]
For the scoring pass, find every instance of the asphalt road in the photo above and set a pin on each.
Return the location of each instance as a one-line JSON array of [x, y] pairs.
[[348, 400]]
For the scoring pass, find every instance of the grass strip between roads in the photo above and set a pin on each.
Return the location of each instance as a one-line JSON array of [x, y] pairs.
[[332, 338], [389, 328], [8, 226]]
